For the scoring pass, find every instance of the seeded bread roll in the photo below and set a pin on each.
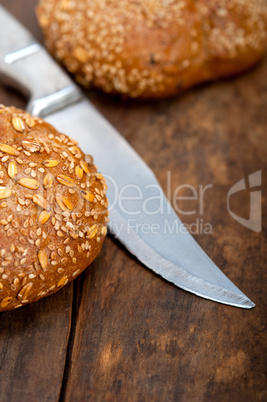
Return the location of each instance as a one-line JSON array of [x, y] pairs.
[[153, 48], [53, 209]]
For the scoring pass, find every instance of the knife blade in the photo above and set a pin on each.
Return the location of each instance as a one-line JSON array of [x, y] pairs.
[[141, 217]]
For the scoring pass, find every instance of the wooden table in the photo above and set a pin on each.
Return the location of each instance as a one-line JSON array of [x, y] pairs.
[[119, 332]]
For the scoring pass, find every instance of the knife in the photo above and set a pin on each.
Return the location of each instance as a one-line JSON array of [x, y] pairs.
[[135, 196]]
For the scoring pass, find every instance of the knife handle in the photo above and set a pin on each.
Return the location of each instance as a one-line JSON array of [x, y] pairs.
[[25, 63]]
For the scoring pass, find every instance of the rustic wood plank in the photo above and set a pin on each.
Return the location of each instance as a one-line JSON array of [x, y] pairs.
[[34, 338], [138, 338], [33, 342]]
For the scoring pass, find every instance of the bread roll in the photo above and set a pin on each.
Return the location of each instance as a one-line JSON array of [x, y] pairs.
[[153, 48], [53, 209]]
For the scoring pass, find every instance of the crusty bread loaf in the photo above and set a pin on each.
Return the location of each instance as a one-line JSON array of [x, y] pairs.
[[53, 209], [153, 48]]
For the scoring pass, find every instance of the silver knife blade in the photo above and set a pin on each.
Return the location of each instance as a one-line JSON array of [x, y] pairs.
[[173, 254], [170, 250]]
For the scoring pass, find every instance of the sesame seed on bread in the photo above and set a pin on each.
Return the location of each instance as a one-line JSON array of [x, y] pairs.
[[53, 209], [153, 48]]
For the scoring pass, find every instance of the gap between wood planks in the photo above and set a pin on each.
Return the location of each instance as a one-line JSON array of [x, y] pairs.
[[76, 302]]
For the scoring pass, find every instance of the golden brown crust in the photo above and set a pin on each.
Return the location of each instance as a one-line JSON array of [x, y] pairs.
[[53, 209], [153, 48]]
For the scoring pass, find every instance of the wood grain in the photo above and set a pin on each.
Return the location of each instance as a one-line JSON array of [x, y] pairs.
[[133, 336], [33, 345], [146, 339]]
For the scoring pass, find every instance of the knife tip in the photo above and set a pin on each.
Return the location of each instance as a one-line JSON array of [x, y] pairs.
[[247, 303]]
